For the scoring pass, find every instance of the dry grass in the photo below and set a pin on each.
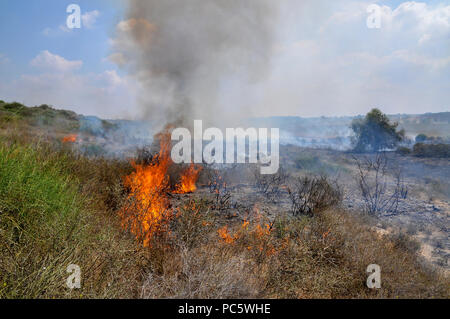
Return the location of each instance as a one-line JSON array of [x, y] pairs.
[[323, 256]]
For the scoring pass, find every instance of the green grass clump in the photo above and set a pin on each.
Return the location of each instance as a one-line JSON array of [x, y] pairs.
[[40, 218], [56, 209]]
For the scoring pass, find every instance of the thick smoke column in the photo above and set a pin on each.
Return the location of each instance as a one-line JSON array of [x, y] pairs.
[[188, 54]]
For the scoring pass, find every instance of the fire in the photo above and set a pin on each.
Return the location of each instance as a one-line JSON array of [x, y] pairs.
[[226, 236], [72, 138], [188, 179], [148, 210]]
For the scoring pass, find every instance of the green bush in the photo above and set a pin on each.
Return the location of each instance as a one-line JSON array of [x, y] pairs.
[[431, 150]]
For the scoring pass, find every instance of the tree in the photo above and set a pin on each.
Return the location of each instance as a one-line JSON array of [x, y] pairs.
[[375, 132], [421, 138]]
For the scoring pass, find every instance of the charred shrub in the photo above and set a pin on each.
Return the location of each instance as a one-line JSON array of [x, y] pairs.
[[379, 193], [272, 185], [310, 195], [218, 186]]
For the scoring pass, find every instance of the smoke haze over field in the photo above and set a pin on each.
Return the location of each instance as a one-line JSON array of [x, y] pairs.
[[186, 54], [168, 60]]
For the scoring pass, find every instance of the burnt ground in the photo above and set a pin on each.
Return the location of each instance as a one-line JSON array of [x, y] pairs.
[[423, 215]]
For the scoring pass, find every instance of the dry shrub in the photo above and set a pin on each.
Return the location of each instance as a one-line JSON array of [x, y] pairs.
[[193, 222], [207, 271], [324, 256], [328, 256], [193, 262], [310, 195], [102, 180]]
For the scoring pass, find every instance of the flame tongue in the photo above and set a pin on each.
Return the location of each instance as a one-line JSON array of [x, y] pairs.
[[147, 212], [188, 179], [72, 138]]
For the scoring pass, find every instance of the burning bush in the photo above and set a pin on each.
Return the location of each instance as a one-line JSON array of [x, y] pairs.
[[147, 211]]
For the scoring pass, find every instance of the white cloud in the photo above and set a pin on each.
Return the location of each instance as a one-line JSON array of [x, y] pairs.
[[419, 19], [421, 60], [335, 65], [54, 32], [48, 61], [103, 94], [89, 18]]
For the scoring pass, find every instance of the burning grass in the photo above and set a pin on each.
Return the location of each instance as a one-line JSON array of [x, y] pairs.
[[58, 207], [147, 211]]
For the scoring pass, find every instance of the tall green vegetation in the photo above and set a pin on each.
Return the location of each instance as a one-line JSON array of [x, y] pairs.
[[375, 132], [40, 221], [53, 213]]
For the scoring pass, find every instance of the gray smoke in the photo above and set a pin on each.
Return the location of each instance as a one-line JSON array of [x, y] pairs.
[[190, 56]]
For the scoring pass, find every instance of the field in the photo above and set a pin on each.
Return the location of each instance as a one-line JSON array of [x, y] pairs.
[[234, 235]]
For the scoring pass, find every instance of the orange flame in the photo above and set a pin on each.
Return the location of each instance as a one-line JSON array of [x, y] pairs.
[[72, 138], [188, 179], [226, 236], [147, 213]]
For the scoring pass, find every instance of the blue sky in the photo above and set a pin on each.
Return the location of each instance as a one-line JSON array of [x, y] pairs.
[[325, 61], [24, 24]]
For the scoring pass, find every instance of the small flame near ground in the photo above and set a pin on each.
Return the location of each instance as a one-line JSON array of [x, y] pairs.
[[188, 179], [72, 138], [148, 211]]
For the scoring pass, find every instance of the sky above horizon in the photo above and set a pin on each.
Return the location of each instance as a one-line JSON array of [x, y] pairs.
[[325, 60]]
